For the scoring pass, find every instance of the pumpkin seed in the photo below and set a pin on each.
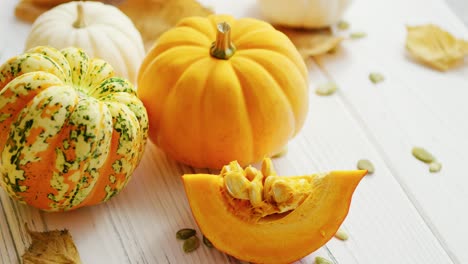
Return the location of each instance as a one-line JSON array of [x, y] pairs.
[[322, 260], [185, 233], [191, 244], [325, 89], [357, 35], [237, 185], [422, 155], [341, 235], [364, 164], [343, 25], [207, 242], [376, 77], [435, 166]]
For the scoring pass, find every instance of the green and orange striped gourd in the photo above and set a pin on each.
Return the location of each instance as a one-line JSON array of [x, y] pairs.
[[71, 133]]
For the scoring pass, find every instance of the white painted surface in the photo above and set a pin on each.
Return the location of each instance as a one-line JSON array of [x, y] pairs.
[[401, 214]]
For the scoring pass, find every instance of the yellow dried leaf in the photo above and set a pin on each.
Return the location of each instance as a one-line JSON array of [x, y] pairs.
[[312, 42], [51, 247], [435, 47], [153, 17]]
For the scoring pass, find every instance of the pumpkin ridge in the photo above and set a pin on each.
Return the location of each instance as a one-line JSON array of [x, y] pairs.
[[147, 67], [247, 35], [172, 93], [195, 22], [277, 46], [263, 63], [26, 148], [278, 87], [201, 33], [122, 53], [84, 166], [239, 78], [56, 56], [202, 112], [119, 29]]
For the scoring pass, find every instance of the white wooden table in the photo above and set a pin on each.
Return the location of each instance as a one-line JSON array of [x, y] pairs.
[[401, 214]]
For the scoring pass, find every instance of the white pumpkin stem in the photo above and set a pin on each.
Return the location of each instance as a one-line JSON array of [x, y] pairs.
[[223, 48], [80, 21]]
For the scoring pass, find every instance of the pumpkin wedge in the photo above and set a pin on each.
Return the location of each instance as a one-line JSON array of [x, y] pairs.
[[293, 216]]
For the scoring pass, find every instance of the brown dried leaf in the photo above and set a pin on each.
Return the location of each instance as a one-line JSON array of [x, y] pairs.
[[312, 42], [51, 247], [435, 47], [153, 17], [28, 10]]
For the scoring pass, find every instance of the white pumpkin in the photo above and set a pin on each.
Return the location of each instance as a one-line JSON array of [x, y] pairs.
[[103, 31], [303, 13]]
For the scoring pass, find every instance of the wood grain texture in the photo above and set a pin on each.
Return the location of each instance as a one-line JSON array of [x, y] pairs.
[[400, 214], [415, 106]]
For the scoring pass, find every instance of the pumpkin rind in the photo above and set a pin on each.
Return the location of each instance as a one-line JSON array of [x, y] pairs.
[[71, 133], [281, 240], [108, 34], [205, 111]]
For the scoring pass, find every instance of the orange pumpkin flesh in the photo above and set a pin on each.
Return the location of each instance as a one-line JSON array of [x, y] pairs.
[[272, 240]]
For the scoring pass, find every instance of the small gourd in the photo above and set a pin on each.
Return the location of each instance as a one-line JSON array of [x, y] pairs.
[[303, 13], [101, 30], [260, 217], [71, 133], [219, 89]]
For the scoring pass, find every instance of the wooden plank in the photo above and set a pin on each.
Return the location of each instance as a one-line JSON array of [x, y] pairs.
[[138, 226], [415, 106]]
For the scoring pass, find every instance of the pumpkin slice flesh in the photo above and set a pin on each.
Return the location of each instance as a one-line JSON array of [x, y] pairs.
[[272, 240]]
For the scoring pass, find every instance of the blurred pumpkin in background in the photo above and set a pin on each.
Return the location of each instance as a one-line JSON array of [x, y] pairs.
[[101, 30], [304, 13]]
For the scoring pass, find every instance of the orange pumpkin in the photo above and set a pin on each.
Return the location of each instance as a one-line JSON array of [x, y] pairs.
[[219, 89], [263, 218]]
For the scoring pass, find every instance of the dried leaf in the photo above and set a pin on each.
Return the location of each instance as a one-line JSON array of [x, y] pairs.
[[312, 42], [51, 247], [28, 10], [435, 47], [153, 17]]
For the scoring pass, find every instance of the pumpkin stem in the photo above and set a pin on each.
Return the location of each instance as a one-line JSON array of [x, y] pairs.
[[80, 21], [223, 48]]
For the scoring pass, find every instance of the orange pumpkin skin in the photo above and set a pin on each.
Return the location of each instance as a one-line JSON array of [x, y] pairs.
[[274, 240], [206, 111]]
